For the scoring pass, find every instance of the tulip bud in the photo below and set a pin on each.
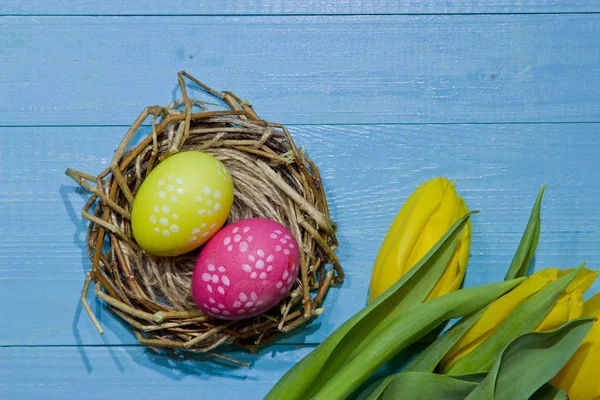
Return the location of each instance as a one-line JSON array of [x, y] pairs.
[[568, 306], [428, 213], [579, 378]]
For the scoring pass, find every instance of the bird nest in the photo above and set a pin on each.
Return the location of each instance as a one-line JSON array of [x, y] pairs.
[[272, 179]]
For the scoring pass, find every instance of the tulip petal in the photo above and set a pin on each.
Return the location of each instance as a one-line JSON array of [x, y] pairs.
[[512, 376], [584, 280], [430, 210], [591, 308], [579, 378], [385, 267], [392, 260], [525, 318], [495, 316], [527, 246], [568, 306], [454, 273]]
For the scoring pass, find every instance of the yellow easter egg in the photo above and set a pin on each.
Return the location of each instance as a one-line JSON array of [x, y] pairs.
[[181, 204]]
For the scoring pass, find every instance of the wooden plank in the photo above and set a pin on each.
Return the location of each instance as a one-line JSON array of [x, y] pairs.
[[306, 70], [287, 7], [134, 373], [368, 171]]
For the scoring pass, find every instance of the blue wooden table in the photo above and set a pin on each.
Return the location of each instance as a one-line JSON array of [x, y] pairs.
[[382, 94]]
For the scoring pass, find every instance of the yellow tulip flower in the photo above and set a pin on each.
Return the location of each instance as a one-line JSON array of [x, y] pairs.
[[425, 217], [568, 306], [579, 378]]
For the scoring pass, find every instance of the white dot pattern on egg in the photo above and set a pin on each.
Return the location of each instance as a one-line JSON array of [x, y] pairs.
[[176, 209], [246, 272]]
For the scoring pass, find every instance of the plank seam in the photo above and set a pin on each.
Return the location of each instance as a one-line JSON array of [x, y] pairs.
[[334, 124], [309, 15]]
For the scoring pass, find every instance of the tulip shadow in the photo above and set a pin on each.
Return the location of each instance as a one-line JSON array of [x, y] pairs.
[[531, 266]]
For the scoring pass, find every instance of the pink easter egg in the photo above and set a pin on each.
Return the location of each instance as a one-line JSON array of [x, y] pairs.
[[245, 269]]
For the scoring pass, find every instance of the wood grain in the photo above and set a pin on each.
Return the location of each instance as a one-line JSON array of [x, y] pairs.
[[368, 170], [286, 7], [376, 90], [135, 373], [306, 70]]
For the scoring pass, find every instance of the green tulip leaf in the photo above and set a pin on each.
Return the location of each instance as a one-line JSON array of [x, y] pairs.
[[525, 318], [530, 361], [477, 377], [376, 389], [304, 379], [414, 291], [428, 359], [529, 241], [404, 330], [546, 392], [426, 386]]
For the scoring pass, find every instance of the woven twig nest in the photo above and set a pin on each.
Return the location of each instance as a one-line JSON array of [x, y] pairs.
[[272, 179]]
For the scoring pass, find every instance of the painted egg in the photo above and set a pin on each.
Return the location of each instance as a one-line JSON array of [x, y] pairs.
[[181, 204], [245, 269]]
